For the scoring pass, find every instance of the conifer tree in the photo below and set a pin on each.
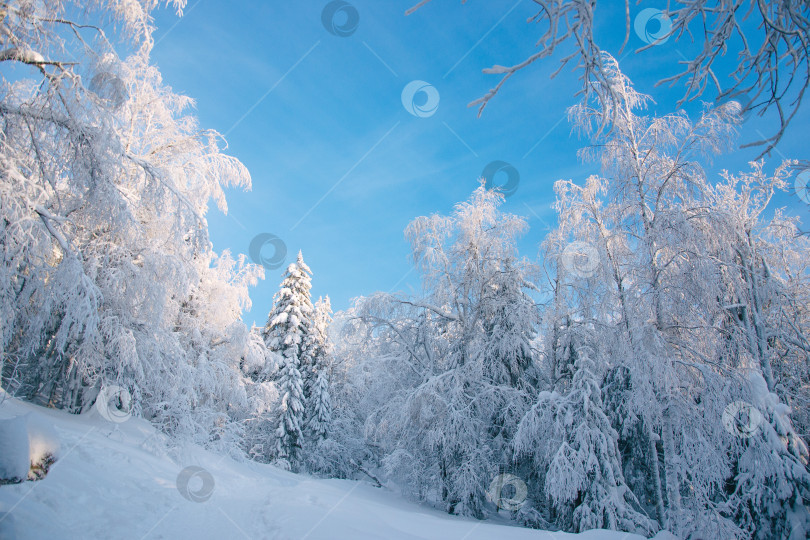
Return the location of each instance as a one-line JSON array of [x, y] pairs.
[[287, 332], [320, 408], [584, 475]]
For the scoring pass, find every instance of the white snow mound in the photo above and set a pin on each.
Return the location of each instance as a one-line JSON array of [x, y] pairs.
[[14, 449], [122, 481]]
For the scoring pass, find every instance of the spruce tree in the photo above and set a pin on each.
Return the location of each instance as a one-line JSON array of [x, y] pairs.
[[584, 477], [287, 333], [320, 408], [288, 432]]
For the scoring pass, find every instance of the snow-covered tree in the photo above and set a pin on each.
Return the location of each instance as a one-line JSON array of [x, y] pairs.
[[584, 476], [319, 407], [508, 308], [288, 332], [771, 485], [289, 324], [348, 452], [107, 274], [291, 414], [453, 364], [260, 367], [678, 306]]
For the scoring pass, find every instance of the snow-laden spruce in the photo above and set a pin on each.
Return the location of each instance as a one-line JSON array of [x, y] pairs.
[[320, 407], [288, 332], [296, 334], [580, 456]]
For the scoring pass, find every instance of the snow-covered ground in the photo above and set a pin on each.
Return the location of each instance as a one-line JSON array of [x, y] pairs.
[[117, 481]]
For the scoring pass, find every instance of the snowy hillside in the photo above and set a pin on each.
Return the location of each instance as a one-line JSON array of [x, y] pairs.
[[115, 481]]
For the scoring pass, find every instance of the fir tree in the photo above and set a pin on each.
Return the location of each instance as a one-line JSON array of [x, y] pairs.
[[584, 478], [320, 408], [321, 412], [288, 433], [289, 322], [287, 332]]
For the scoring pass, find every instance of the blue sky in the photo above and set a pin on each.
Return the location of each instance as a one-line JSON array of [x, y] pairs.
[[340, 167]]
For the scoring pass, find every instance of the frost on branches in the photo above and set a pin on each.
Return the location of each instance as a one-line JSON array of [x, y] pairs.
[[450, 371], [668, 298], [107, 275]]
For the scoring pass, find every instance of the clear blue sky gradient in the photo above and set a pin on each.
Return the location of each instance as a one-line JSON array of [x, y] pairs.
[[340, 167]]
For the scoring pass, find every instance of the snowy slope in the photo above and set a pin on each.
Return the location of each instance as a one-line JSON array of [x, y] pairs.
[[117, 481]]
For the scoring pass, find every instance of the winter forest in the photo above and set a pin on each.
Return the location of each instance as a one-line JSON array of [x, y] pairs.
[[641, 366]]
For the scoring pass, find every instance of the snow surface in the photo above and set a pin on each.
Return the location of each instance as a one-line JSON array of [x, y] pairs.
[[25, 440], [14, 449], [118, 481]]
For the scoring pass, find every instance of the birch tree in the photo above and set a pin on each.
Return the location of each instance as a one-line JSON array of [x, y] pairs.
[[106, 266], [770, 41], [464, 353]]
